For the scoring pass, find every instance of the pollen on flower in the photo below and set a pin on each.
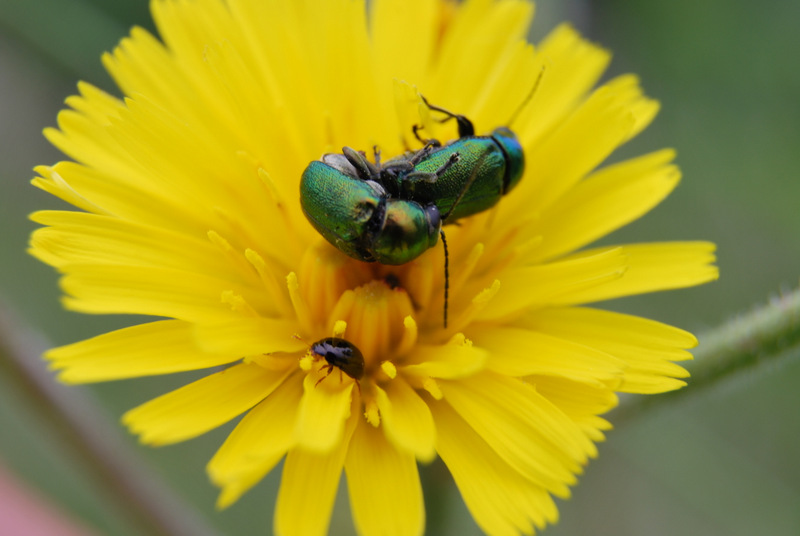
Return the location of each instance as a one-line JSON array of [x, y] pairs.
[[307, 361], [371, 412], [478, 303], [237, 303], [220, 242], [269, 186], [389, 369], [272, 283], [410, 335], [339, 327]]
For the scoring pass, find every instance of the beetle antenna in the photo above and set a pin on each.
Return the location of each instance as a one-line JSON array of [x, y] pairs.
[[527, 98], [446, 276], [463, 191]]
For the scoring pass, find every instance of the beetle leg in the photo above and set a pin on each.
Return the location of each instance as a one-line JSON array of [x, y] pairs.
[[366, 170], [423, 153], [377, 153], [415, 129], [432, 142], [330, 369], [432, 176], [455, 157], [419, 176]]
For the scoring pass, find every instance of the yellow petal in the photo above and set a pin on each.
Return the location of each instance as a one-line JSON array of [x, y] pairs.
[[384, 486], [203, 134], [602, 123], [78, 238], [99, 106], [480, 33], [249, 336], [134, 351], [391, 23], [119, 194], [237, 486], [53, 183], [150, 291], [290, 73], [202, 405], [654, 267], [572, 66], [129, 64], [642, 110], [445, 361], [605, 201], [527, 286], [188, 171], [507, 86], [525, 429], [257, 443], [648, 347], [521, 352], [88, 142], [349, 92], [581, 142], [582, 401], [186, 30], [324, 410], [406, 419], [502, 501], [308, 488]]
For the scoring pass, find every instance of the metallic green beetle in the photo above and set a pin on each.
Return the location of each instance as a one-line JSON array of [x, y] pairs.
[[393, 212], [361, 218]]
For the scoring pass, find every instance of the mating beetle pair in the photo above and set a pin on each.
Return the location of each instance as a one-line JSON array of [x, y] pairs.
[[393, 212]]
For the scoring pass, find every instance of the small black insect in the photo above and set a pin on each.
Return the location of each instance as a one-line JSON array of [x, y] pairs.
[[341, 354], [392, 280]]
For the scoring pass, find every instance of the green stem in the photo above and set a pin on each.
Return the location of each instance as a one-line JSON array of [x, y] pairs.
[[84, 432], [743, 343]]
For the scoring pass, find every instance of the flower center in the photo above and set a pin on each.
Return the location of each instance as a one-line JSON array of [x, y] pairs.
[[379, 304]]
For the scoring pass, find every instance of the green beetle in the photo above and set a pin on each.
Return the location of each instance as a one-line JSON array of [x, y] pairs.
[[361, 218]]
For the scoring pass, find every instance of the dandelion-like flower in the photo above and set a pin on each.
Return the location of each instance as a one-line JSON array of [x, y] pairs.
[[189, 211]]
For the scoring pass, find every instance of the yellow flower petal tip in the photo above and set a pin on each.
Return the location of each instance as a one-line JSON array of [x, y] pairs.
[[485, 354]]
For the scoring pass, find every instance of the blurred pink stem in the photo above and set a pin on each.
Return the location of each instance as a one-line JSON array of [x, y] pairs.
[[25, 514], [87, 435]]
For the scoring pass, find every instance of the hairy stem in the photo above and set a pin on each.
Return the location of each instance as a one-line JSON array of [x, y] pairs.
[[741, 344]]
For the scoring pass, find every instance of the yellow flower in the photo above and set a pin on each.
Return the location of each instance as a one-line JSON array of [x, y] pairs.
[[188, 191]]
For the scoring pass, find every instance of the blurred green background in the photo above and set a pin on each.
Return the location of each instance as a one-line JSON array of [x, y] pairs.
[[721, 462]]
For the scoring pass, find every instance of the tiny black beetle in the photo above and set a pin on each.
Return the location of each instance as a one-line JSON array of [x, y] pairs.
[[341, 354]]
